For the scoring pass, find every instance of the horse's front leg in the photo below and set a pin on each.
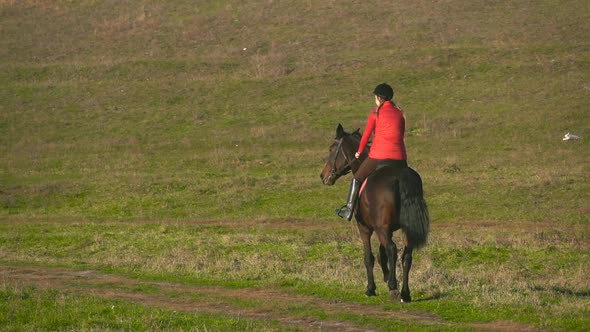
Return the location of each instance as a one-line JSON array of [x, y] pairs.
[[369, 260], [407, 265]]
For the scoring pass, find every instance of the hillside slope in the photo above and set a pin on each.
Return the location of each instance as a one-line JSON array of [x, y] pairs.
[[169, 110]]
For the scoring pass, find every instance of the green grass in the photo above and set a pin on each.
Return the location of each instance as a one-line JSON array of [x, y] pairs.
[[536, 278], [28, 308], [122, 123]]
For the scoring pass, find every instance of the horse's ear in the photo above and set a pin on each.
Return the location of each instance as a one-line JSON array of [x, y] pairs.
[[339, 131]]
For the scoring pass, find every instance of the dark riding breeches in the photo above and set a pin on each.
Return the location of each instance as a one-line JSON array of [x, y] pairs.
[[370, 164]]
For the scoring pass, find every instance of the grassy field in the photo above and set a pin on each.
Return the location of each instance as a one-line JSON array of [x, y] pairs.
[[159, 163]]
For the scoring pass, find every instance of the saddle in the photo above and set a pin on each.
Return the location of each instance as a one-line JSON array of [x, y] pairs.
[[395, 165]]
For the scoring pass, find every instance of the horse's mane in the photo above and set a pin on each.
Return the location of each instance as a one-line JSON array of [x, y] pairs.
[[357, 134]]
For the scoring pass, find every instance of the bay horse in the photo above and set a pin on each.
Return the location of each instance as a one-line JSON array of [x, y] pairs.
[[388, 202]]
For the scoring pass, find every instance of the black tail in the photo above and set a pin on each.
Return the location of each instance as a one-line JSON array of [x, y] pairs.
[[413, 212]]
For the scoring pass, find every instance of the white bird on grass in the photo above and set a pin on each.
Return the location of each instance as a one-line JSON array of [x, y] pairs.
[[569, 137]]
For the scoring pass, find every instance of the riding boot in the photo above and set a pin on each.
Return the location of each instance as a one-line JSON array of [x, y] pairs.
[[347, 210]]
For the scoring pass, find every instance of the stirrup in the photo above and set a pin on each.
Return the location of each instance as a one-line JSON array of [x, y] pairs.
[[345, 212]]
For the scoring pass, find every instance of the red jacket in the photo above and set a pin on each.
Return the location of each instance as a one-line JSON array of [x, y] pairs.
[[388, 126]]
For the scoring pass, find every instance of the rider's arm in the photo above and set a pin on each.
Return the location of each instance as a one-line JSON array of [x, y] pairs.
[[367, 133]]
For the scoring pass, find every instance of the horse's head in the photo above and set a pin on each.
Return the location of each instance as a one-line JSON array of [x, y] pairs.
[[341, 158]]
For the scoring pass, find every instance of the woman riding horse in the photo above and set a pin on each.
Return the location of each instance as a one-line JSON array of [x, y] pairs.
[[393, 197], [387, 124]]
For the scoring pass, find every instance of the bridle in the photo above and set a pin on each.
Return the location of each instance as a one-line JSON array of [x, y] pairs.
[[334, 173]]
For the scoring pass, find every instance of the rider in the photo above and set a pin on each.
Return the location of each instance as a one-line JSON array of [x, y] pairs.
[[387, 124]]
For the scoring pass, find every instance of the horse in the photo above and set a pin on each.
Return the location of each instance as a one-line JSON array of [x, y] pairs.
[[390, 200]]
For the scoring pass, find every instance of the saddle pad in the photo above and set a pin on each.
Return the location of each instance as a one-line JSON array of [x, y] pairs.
[[363, 187]]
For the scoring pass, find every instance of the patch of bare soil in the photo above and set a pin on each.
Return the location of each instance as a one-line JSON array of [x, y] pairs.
[[214, 299], [209, 299], [271, 304]]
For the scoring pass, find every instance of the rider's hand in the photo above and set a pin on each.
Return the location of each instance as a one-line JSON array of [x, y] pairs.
[[357, 155]]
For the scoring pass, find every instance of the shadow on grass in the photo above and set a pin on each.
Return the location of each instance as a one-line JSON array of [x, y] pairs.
[[436, 296], [564, 291]]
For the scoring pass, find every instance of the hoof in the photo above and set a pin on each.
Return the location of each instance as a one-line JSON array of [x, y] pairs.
[[394, 295], [406, 298], [369, 293]]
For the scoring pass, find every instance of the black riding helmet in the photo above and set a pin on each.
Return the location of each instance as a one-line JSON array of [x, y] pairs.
[[383, 91]]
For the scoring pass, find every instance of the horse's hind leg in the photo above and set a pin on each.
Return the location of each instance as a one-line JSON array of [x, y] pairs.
[[407, 265], [383, 262], [391, 250], [369, 261]]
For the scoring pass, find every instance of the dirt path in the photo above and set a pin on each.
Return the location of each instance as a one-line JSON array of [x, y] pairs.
[[208, 299], [213, 299], [267, 304]]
